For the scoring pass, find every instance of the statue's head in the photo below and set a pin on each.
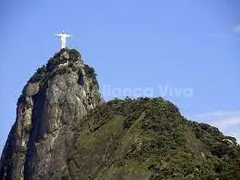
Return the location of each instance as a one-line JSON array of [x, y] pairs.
[[63, 32]]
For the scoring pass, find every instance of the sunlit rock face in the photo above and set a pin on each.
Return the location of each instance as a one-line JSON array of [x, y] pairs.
[[57, 96]]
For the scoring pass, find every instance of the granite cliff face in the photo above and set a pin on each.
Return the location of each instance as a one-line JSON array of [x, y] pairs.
[[64, 130], [58, 95]]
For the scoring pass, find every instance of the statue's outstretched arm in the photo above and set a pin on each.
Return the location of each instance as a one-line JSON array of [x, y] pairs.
[[57, 34]]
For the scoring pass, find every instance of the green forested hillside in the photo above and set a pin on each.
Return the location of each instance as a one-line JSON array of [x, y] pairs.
[[149, 139]]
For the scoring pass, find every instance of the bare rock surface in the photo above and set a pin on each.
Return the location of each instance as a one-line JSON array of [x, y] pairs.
[[53, 99]]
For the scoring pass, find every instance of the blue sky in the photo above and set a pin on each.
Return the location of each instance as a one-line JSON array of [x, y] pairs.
[[186, 51]]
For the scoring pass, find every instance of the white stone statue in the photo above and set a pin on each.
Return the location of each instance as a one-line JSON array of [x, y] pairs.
[[63, 36]]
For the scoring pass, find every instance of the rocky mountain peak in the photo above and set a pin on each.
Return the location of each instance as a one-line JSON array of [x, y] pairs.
[[56, 96]]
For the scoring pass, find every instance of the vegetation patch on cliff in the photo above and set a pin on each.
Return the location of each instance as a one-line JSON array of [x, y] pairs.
[[65, 61]]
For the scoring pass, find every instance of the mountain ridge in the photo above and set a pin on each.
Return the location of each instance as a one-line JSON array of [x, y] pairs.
[[65, 130]]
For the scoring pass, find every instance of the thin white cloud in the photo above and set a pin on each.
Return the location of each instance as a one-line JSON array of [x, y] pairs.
[[237, 28], [220, 113], [227, 121]]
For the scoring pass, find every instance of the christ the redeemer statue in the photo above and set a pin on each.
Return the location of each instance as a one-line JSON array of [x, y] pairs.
[[63, 36]]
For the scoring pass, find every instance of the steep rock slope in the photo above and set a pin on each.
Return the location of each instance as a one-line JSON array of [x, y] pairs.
[[58, 95]]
